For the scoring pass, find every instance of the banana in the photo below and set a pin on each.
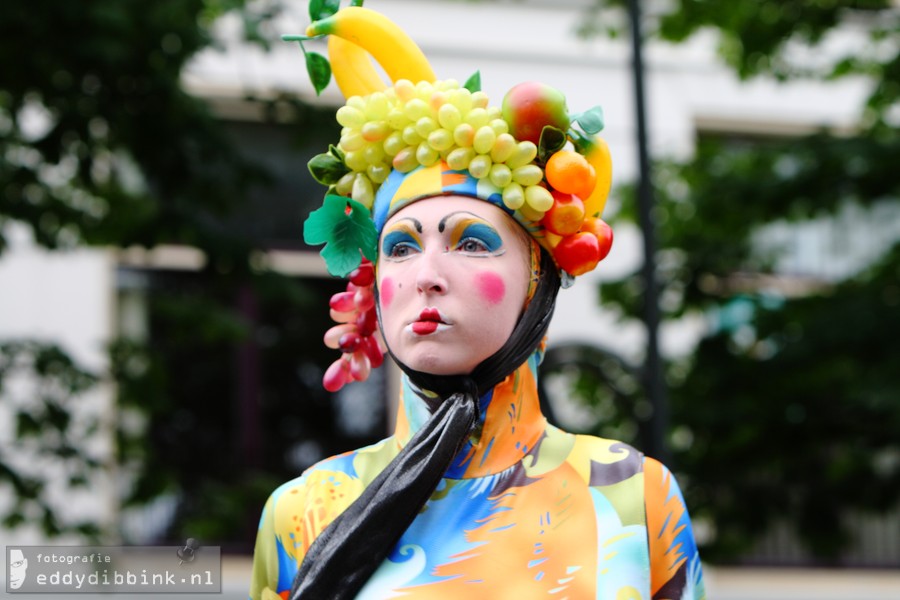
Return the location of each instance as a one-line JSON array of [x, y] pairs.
[[352, 68], [389, 45], [598, 156]]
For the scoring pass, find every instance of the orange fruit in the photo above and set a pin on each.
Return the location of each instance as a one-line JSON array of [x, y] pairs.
[[570, 173], [566, 215]]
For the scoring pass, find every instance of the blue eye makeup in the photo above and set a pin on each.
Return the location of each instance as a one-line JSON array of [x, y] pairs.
[[400, 241], [474, 235]]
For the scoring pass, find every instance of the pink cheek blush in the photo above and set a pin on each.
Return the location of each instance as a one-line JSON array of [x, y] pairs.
[[491, 287], [386, 291]]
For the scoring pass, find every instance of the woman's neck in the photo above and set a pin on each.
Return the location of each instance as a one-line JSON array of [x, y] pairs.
[[508, 428]]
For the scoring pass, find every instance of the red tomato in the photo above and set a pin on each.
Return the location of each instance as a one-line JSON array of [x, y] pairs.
[[578, 254]]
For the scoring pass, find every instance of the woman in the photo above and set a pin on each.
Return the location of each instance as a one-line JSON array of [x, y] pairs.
[[475, 494]]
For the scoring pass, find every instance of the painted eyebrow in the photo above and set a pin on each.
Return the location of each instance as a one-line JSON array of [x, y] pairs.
[[443, 223], [417, 225], [398, 233]]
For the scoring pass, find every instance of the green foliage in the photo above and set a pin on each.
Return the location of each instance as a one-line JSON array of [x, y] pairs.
[[178, 430], [86, 112], [41, 385], [755, 36], [798, 417], [603, 390], [141, 397], [103, 146], [761, 37], [708, 209], [787, 410]]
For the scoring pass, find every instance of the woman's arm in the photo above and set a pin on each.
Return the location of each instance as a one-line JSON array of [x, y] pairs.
[[270, 565], [675, 570], [294, 516]]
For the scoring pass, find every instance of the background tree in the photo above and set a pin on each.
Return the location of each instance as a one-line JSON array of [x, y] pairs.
[[787, 413], [102, 146]]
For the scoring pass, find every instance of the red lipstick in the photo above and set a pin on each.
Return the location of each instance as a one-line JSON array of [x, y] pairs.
[[428, 322]]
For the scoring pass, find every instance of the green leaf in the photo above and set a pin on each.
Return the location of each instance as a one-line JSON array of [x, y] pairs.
[[336, 152], [582, 142], [591, 121], [327, 169], [26, 425], [319, 70], [346, 228], [473, 83], [552, 141], [321, 9]]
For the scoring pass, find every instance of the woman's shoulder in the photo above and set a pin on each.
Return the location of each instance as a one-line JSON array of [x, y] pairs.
[[346, 470], [605, 461], [609, 462]]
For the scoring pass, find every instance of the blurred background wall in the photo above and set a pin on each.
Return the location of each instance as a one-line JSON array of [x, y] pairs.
[[161, 318]]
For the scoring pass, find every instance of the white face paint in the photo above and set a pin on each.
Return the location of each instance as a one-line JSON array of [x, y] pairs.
[[453, 276]]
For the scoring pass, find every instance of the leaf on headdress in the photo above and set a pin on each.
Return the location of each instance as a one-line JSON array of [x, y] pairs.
[[346, 228], [591, 121], [336, 152], [552, 140], [319, 70], [327, 169], [473, 83], [322, 9]]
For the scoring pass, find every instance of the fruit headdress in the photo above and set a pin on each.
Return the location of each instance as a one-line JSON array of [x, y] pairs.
[[420, 137]]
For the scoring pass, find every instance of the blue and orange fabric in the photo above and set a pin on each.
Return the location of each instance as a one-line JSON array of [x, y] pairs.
[[524, 511]]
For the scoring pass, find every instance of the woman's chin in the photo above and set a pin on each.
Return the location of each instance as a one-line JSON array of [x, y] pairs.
[[440, 363]]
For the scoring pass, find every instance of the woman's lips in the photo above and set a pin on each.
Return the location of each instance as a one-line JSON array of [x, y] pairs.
[[428, 322], [424, 327]]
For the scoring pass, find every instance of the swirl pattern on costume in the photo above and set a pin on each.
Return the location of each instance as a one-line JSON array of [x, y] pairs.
[[525, 511]]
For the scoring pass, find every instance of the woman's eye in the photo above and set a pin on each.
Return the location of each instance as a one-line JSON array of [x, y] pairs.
[[400, 244], [472, 245], [477, 237], [400, 251]]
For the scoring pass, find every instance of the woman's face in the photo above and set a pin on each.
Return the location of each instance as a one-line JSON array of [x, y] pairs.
[[453, 275]]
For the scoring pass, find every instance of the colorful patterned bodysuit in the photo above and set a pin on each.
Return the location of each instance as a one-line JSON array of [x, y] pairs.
[[525, 511]]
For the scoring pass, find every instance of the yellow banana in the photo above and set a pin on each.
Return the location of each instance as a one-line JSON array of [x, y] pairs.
[[395, 51], [598, 156], [353, 70]]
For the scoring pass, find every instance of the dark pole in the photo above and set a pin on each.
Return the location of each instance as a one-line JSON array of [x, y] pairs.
[[249, 382], [654, 384]]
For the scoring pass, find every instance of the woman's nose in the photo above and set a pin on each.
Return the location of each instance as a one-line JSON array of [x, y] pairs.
[[430, 277]]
